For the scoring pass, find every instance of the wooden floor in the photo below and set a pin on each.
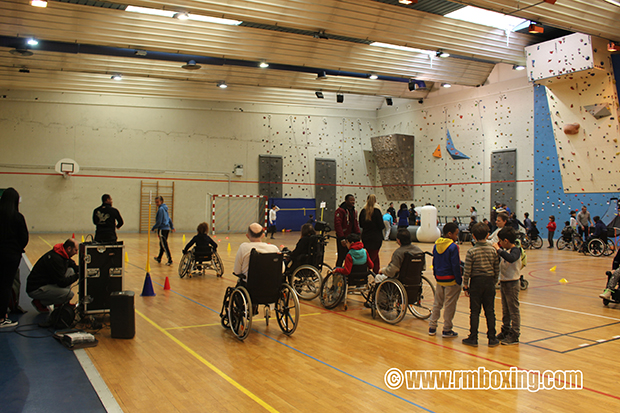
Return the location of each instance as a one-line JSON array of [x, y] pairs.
[[183, 360]]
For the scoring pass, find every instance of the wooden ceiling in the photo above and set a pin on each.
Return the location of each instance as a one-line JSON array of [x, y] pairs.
[[475, 48]]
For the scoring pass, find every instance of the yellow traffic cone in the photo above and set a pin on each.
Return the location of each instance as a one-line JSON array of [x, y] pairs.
[[82, 238], [183, 238], [563, 281], [553, 268], [126, 257]]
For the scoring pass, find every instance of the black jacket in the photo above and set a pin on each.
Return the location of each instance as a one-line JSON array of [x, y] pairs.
[[107, 219], [372, 231], [13, 241], [202, 241], [51, 269], [299, 255]]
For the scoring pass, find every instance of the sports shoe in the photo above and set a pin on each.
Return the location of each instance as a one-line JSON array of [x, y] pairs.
[[449, 334], [510, 340], [169, 263], [432, 331], [40, 307], [606, 295], [157, 259], [493, 342], [470, 341], [7, 323], [502, 335]]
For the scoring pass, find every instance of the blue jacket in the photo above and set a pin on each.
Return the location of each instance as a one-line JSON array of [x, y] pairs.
[[162, 219], [447, 262], [388, 217]]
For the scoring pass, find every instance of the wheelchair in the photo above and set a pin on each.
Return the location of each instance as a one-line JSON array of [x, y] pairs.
[[264, 286], [597, 247], [573, 241], [200, 261], [307, 278], [615, 294], [337, 286], [409, 290]]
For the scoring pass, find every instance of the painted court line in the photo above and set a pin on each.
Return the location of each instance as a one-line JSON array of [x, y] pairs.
[[105, 395], [209, 365], [219, 324], [570, 311]]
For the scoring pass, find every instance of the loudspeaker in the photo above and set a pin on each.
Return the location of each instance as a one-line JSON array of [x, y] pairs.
[[122, 314]]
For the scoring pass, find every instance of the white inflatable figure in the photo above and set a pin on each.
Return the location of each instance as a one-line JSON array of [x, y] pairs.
[[428, 231]]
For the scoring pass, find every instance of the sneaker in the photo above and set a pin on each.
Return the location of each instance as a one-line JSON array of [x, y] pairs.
[[606, 295], [493, 342], [510, 340], [470, 341], [7, 323], [40, 307], [169, 263], [449, 334], [157, 259], [432, 331], [367, 304], [502, 335]]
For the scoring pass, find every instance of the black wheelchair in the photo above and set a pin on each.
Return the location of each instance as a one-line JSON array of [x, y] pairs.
[[307, 278], [408, 290], [265, 285], [615, 293], [572, 240], [597, 247], [337, 286], [200, 260]]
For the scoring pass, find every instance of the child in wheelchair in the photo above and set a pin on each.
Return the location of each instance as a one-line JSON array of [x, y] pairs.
[[403, 239], [533, 233], [600, 231], [357, 255], [299, 255], [611, 293], [568, 232], [204, 244]]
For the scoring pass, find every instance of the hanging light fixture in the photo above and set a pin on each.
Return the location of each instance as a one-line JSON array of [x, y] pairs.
[[612, 47], [535, 29]]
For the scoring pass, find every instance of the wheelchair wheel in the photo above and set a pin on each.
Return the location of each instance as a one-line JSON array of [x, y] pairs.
[[332, 290], [561, 244], [186, 264], [306, 281], [240, 312], [537, 243], [524, 284], [218, 265], [610, 248], [525, 242], [595, 247], [577, 243], [423, 306], [391, 301], [287, 309]]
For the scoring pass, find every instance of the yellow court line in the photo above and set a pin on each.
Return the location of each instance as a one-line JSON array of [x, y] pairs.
[[211, 366], [219, 324], [50, 245]]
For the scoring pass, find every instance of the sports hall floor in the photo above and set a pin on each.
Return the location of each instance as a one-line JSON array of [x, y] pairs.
[[182, 360]]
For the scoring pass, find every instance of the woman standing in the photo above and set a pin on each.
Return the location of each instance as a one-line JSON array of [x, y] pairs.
[[13, 240], [403, 216], [413, 215], [474, 214], [371, 221]]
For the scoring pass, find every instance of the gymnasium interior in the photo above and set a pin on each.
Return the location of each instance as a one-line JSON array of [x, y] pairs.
[[225, 108]]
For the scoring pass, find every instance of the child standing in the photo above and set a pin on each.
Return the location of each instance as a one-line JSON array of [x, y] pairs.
[[387, 223], [479, 278], [551, 226], [509, 268], [447, 271], [573, 220]]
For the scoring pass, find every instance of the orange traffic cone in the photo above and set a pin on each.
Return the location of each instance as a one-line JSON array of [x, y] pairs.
[[167, 284], [73, 236]]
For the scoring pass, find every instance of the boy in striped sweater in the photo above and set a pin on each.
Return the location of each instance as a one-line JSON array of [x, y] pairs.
[[447, 271], [480, 275]]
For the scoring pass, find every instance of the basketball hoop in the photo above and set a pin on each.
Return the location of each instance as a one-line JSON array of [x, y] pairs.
[[67, 167]]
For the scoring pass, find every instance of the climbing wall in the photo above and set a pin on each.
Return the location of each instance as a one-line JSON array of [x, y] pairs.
[[270, 176], [325, 178], [549, 195], [503, 177], [395, 159]]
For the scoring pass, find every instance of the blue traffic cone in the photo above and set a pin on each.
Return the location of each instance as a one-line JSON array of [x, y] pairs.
[[147, 290]]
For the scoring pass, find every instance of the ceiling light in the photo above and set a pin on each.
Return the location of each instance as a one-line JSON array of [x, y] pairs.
[[263, 64], [153, 12], [614, 2], [535, 29], [38, 3], [612, 47], [518, 67], [446, 85], [181, 16], [442, 54], [222, 85], [216, 20], [373, 76], [117, 76], [340, 98], [403, 48], [321, 75], [319, 95], [389, 101], [416, 85], [407, 2], [486, 18], [191, 65], [32, 41]]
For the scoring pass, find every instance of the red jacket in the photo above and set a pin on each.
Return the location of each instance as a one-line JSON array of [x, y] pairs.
[[345, 221], [551, 226], [357, 256]]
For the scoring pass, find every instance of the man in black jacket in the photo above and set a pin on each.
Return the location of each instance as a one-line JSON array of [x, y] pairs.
[[51, 277], [107, 219]]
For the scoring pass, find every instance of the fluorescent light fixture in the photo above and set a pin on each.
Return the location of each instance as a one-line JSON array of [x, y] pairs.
[[216, 20], [406, 2], [373, 76], [181, 16], [403, 48], [32, 41], [614, 2], [222, 85], [319, 95], [38, 3], [518, 67], [152, 12], [612, 47], [442, 54], [263, 64], [321, 75], [446, 85], [486, 18], [117, 76]]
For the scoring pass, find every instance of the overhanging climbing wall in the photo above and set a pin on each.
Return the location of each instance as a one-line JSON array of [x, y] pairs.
[[325, 190], [503, 177], [394, 157], [270, 172]]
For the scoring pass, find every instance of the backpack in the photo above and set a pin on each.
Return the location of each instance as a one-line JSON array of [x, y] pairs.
[[523, 254]]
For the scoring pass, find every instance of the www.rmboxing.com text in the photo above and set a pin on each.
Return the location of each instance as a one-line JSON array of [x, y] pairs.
[[483, 379]]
